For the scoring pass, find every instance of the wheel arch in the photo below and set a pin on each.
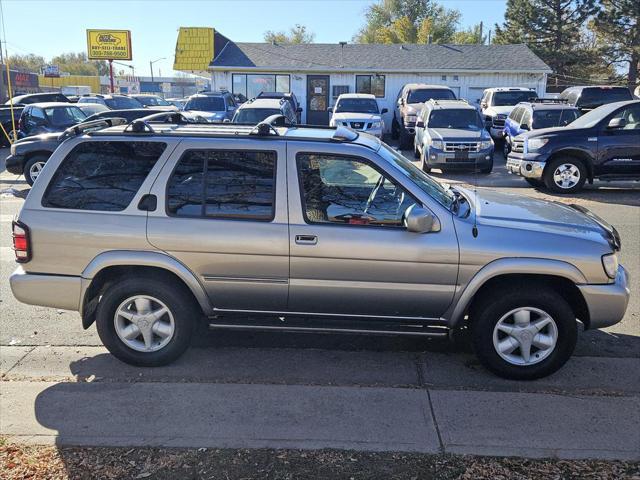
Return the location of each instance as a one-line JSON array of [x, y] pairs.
[[583, 155], [109, 266], [528, 272]]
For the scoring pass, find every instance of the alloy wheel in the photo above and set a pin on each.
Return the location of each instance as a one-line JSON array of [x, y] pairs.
[[35, 169], [525, 336], [566, 176], [144, 323]]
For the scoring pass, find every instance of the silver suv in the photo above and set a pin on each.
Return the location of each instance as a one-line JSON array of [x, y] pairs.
[[149, 229]]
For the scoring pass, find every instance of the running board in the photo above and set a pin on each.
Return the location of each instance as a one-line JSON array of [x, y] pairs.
[[307, 325]]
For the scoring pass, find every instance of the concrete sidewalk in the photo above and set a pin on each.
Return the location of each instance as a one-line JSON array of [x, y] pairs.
[[248, 398]]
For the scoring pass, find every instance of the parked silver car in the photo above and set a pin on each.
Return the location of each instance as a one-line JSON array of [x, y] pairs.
[[149, 228]]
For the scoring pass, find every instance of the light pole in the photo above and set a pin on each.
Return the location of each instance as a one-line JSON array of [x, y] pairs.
[[151, 62]]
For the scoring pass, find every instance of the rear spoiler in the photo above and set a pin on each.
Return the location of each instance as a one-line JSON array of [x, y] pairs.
[[612, 234], [91, 126]]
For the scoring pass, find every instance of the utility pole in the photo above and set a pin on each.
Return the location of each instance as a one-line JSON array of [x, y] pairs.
[[480, 38], [3, 96]]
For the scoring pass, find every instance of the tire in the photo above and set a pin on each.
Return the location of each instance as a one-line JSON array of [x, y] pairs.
[[405, 139], [506, 148], [416, 152], [534, 182], [554, 175], [488, 169], [395, 129], [162, 292], [497, 305], [33, 167], [425, 166]]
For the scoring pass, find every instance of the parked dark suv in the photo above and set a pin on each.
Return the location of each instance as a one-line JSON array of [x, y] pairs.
[[603, 143], [49, 117], [29, 98], [588, 98]]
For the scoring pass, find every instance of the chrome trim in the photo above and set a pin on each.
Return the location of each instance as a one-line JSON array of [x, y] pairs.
[[214, 278], [228, 326]]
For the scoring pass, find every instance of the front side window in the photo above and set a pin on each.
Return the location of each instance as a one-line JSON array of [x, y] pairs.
[[349, 191], [372, 84], [64, 116], [102, 176], [226, 184], [631, 117]]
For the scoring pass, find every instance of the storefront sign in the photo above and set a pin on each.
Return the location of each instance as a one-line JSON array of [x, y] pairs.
[[109, 45]]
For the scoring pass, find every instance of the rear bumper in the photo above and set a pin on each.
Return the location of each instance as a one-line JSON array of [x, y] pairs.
[[607, 304], [56, 291], [15, 164]]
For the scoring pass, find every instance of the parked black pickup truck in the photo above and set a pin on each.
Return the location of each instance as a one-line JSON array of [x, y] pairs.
[[8, 124], [604, 143]]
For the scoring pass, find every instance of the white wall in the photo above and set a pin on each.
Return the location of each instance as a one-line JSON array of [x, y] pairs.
[[468, 85]]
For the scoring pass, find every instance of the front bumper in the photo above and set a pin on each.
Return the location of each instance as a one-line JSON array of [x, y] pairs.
[[519, 165], [607, 303], [15, 164], [497, 133], [439, 158], [56, 291]]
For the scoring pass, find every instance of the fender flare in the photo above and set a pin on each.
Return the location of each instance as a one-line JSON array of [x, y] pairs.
[[509, 266], [132, 258]]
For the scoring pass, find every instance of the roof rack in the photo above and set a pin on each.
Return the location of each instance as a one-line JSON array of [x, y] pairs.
[[91, 126]]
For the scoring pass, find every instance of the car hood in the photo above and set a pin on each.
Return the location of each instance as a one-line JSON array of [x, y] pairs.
[[519, 211], [502, 110], [355, 117], [456, 134]]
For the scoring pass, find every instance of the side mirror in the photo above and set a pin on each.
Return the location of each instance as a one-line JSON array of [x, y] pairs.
[[383, 111], [617, 123], [226, 120], [421, 220], [420, 123], [329, 109], [483, 105], [524, 126]]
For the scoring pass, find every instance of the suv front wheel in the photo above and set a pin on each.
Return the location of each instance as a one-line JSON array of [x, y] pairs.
[[523, 335], [565, 175], [33, 167], [145, 322]]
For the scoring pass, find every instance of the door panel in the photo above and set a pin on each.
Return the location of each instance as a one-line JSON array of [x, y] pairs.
[[619, 149], [317, 99], [242, 263], [358, 269]]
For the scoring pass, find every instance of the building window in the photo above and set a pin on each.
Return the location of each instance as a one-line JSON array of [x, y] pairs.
[[250, 85], [338, 90], [444, 78], [238, 185], [373, 84], [456, 78]]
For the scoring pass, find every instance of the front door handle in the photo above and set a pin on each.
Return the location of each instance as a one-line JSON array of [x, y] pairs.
[[306, 239]]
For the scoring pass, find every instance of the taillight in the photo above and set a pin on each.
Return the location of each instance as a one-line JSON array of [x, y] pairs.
[[21, 242]]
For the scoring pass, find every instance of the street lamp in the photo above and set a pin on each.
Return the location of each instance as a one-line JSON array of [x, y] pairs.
[[151, 65]]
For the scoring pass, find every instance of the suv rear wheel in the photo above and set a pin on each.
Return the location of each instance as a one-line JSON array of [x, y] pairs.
[[33, 167], [144, 321], [523, 335], [565, 175]]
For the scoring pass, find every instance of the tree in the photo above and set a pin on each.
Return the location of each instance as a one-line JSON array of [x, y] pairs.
[[28, 63], [471, 35], [296, 35], [617, 30], [553, 29], [408, 21], [78, 64]]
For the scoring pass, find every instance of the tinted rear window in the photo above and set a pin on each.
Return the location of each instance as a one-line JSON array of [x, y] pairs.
[[594, 97], [206, 104], [102, 176], [554, 118], [424, 94]]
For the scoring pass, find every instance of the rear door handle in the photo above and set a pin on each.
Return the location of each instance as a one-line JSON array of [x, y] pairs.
[[306, 239]]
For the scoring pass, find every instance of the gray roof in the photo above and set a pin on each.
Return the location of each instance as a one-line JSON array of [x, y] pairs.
[[378, 57]]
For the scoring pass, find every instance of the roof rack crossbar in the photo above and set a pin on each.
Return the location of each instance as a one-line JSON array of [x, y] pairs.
[[93, 125]]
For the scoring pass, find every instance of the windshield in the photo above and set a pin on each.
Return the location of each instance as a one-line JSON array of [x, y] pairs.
[[590, 119], [122, 103], [426, 183], [254, 115], [504, 99], [64, 116], [206, 104], [153, 101], [594, 97], [357, 105], [424, 94], [463, 119], [554, 118]]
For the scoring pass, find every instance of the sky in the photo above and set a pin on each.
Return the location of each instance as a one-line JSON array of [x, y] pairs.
[[50, 27]]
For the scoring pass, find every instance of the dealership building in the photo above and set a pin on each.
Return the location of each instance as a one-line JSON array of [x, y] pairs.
[[317, 73]]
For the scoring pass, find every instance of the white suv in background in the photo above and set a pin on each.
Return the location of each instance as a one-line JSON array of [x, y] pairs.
[[358, 111], [497, 103]]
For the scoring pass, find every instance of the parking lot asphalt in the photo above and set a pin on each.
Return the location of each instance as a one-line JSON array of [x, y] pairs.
[[241, 389]]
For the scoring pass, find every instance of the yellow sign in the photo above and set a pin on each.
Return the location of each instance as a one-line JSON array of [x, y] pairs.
[[109, 44], [194, 49]]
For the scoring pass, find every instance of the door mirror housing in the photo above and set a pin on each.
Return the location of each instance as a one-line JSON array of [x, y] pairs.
[[383, 111], [617, 123], [420, 123], [524, 126], [421, 220]]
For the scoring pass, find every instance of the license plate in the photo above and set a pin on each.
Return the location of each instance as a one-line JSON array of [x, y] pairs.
[[461, 156]]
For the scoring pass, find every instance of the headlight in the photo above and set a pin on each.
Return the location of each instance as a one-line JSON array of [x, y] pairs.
[[533, 144], [376, 125], [438, 144], [486, 144], [610, 264]]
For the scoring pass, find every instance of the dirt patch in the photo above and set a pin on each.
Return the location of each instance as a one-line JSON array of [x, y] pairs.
[[46, 462]]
